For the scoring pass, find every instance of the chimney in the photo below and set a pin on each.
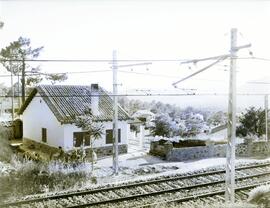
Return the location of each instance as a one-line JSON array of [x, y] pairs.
[[94, 99]]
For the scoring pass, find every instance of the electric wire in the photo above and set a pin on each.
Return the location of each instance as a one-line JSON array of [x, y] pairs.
[[146, 95], [50, 73], [92, 60], [182, 61]]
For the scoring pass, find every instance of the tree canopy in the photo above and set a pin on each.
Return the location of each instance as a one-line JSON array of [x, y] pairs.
[[13, 57], [162, 126], [251, 122], [18, 50], [170, 120], [53, 77], [94, 129]]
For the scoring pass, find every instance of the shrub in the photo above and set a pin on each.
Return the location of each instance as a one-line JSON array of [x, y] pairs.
[[33, 178], [5, 150], [260, 196], [251, 122]]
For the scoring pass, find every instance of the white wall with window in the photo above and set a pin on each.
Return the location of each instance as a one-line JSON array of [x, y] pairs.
[[74, 135], [44, 135], [81, 139], [109, 136], [39, 122], [41, 125]]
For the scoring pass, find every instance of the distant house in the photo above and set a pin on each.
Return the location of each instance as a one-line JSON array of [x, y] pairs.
[[197, 116], [50, 111], [145, 116]]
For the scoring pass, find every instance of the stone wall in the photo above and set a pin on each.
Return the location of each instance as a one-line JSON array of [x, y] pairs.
[[33, 145], [253, 149], [108, 150], [39, 147], [246, 149], [260, 148], [160, 149], [241, 150], [192, 153]]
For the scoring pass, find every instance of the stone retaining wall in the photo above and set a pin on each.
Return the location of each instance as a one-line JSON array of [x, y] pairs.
[[253, 149], [108, 150], [49, 151], [260, 149], [192, 153], [33, 145], [160, 149], [246, 149], [242, 150]]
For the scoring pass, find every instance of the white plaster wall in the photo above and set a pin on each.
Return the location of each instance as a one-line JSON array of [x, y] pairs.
[[70, 128], [36, 116]]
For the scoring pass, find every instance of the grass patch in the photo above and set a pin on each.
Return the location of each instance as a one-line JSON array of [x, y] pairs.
[[33, 178], [28, 177]]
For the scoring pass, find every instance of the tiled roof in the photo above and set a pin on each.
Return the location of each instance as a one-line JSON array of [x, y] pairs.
[[69, 101]]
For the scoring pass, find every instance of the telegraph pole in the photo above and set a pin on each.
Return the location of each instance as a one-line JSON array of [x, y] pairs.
[[23, 81], [115, 114], [18, 90], [266, 116], [230, 160], [115, 67], [12, 96], [230, 165]]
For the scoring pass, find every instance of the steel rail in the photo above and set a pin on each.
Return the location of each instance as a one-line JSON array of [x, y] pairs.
[[168, 191], [134, 184], [204, 195]]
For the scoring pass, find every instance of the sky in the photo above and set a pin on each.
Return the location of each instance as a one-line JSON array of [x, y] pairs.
[[148, 30]]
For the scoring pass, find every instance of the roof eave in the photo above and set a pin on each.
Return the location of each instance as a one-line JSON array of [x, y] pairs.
[[27, 101], [96, 120]]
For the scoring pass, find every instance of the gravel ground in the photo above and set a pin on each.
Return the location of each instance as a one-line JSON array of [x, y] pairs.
[[135, 166]]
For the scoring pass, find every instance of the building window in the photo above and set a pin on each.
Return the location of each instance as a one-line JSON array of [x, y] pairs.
[[109, 136], [44, 134], [81, 139]]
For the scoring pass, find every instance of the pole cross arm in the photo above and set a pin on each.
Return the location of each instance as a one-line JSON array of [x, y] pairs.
[[205, 59], [201, 70], [130, 65], [241, 47]]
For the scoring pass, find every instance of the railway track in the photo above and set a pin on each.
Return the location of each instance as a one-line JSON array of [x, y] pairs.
[[241, 194], [178, 189]]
